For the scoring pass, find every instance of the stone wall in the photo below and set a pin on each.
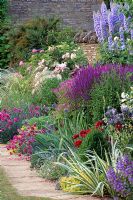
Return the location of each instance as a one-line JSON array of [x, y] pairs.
[[75, 13]]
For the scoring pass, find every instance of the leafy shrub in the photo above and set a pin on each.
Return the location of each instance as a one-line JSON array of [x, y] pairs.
[[4, 28], [49, 170], [106, 93], [37, 33]]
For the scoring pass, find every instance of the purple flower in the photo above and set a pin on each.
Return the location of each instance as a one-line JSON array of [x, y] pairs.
[[110, 42], [122, 39], [96, 18], [104, 13], [131, 34]]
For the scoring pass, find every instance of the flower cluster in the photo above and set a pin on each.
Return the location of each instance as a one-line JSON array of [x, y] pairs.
[[78, 88], [11, 120], [121, 178], [78, 138], [23, 143], [118, 119], [127, 103], [107, 23], [82, 135]]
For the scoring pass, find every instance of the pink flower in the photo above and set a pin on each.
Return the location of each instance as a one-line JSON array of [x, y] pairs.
[[34, 50], [21, 63], [16, 119]]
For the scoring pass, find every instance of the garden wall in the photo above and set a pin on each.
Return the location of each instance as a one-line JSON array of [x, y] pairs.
[[75, 13], [91, 51]]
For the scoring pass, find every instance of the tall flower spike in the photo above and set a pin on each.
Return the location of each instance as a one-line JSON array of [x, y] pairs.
[[104, 12], [122, 39], [131, 34], [110, 22], [125, 21], [121, 19], [103, 27], [96, 18], [110, 42]]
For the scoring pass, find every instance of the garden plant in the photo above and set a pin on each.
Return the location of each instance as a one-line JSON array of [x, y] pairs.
[[72, 120]]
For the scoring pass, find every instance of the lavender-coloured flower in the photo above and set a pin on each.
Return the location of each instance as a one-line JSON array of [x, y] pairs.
[[125, 24], [122, 39], [104, 13], [96, 18], [103, 27], [131, 34], [121, 18], [111, 22], [110, 42]]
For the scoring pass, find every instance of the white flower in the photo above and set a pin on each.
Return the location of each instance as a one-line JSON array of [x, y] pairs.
[[66, 56], [73, 55], [124, 95], [51, 48], [116, 39]]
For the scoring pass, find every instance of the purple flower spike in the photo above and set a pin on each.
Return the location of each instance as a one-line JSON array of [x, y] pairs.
[[104, 13]]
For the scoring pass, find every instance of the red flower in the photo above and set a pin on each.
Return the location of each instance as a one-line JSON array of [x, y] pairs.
[[99, 123], [88, 130], [118, 126], [77, 143], [84, 133], [75, 136]]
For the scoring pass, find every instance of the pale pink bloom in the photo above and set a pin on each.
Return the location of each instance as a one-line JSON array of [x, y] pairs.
[[41, 51], [21, 63], [34, 50]]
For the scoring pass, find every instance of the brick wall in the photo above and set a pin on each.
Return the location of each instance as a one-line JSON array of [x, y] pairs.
[[75, 13], [91, 51]]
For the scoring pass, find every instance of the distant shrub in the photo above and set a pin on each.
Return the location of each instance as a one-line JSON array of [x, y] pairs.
[[37, 33]]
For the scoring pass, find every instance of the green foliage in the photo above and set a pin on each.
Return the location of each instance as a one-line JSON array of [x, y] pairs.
[[39, 121], [4, 28], [94, 141], [67, 184], [15, 91], [116, 56], [107, 93], [3, 10], [91, 174], [49, 170], [37, 33], [45, 95]]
